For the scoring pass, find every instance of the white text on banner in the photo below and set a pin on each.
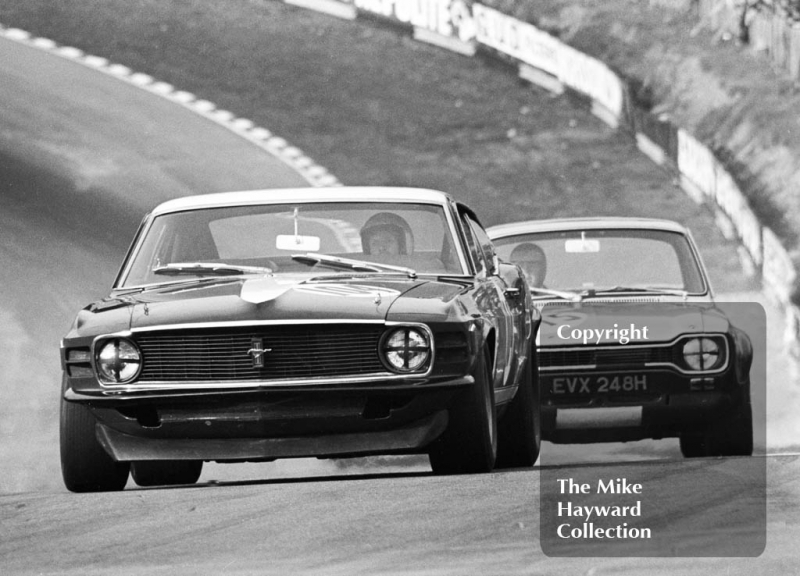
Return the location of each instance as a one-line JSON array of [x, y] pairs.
[[733, 203], [591, 77], [778, 272], [696, 162], [517, 39], [450, 18]]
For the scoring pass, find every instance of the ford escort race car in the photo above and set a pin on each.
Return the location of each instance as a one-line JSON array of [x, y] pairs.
[[632, 345]]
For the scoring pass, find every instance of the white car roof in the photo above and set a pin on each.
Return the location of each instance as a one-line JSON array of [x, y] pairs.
[[301, 195], [597, 223]]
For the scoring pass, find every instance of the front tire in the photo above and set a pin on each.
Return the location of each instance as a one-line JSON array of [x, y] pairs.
[[469, 444], [693, 445], [166, 472], [520, 430], [731, 434], [85, 465]]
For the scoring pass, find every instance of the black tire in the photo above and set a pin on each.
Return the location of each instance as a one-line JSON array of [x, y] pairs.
[[469, 444], [693, 445], [85, 465], [166, 472], [731, 434], [519, 431]]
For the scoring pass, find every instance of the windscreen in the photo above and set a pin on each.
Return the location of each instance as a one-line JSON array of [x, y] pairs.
[[417, 236], [604, 259]]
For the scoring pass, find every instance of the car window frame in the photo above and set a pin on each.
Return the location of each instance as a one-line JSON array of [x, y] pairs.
[[486, 246], [472, 247]]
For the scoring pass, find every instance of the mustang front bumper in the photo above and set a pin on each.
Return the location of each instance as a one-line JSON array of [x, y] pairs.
[[265, 425]]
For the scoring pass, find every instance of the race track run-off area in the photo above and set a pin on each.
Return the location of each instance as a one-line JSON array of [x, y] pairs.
[[83, 155]]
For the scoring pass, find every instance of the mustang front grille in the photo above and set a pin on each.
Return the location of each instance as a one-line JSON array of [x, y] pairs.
[[260, 353]]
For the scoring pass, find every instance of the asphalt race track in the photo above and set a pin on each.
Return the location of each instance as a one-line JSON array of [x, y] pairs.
[[83, 166], [84, 156]]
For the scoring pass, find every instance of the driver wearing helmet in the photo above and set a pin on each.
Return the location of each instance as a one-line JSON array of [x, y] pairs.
[[531, 258], [387, 234]]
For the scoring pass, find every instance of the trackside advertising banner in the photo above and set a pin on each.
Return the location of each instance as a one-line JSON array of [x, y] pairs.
[[520, 40], [479, 24], [703, 172], [448, 18], [589, 76]]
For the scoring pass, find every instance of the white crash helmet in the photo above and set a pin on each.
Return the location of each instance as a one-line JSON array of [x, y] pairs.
[[396, 225]]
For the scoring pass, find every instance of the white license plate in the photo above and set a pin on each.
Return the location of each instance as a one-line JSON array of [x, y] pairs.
[[608, 384]]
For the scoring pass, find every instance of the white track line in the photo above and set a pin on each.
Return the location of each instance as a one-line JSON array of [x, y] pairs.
[[292, 156]]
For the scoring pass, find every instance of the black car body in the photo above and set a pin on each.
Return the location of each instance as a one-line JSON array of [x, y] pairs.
[[259, 325], [632, 344]]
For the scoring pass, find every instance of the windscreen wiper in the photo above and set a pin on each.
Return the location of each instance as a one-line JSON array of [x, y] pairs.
[[669, 291], [209, 268], [349, 264], [563, 294]]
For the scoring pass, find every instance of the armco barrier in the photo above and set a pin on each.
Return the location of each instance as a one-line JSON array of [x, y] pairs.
[[470, 28]]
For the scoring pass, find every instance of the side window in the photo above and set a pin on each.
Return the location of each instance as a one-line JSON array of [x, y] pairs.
[[472, 244], [484, 243]]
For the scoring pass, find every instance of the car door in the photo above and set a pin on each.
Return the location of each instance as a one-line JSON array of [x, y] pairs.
[[491, 297]]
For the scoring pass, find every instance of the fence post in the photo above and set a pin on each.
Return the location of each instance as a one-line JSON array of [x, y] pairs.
[[794, 50], [759, 32]]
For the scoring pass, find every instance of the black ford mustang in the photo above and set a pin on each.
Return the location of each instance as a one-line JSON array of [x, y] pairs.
[[250, 326]]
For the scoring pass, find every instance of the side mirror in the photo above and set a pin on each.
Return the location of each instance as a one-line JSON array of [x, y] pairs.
[[512, 278], [495, 271]]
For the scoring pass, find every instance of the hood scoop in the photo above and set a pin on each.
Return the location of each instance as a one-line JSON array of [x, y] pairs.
[[260, 290]]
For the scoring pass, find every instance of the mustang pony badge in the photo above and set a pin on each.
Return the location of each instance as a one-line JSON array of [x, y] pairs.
[[257, 351]]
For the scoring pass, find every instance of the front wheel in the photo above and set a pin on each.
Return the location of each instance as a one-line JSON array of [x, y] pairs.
[[731, 434], [469, 444], [85, 465], [693, 445], [520, 431]]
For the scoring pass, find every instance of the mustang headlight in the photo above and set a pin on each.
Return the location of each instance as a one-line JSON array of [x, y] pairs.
[[118, 361], [702, 353], [406, 349]]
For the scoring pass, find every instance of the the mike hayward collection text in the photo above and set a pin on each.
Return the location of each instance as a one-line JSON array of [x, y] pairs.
[[587, 513]]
